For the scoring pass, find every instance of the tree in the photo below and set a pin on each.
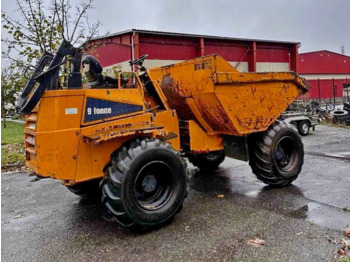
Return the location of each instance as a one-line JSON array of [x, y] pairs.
[[11, 83], [42, 27]]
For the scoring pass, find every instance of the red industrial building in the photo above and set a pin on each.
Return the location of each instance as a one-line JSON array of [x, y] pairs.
[[323, 69], [164, 48], [327, 72]]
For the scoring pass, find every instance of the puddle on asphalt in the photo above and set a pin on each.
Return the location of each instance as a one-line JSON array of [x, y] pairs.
[[253, 193], [289, 201]]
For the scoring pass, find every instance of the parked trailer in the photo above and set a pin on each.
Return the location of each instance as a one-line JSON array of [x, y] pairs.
[[300, 121]]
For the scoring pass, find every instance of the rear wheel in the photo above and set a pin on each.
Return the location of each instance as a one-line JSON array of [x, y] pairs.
[[277, 155], [88, 189], [145, 184], [304, 128], [209, 161]]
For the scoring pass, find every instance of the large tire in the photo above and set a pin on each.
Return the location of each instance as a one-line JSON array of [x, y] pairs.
[[209, 161], [304, 128], [277, 155], [88, 189], [145, 184]]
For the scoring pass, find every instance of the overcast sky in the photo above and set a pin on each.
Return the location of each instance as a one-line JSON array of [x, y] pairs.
[[317, 24]]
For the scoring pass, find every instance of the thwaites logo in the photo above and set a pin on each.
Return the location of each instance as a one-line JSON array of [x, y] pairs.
[[97, 109]]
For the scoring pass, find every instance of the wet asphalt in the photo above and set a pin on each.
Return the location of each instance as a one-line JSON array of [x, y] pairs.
[[43, 221]]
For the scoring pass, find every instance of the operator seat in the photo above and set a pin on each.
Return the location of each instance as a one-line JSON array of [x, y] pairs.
[[93, 72]]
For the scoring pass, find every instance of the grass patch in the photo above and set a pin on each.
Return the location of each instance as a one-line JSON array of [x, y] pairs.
[[12, 144], [13, 154], [12, 134]]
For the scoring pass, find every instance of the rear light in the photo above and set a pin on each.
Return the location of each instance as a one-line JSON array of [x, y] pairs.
[[32, 126], [30, 140]]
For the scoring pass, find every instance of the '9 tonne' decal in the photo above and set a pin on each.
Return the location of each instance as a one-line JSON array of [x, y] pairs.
[[97, 109]]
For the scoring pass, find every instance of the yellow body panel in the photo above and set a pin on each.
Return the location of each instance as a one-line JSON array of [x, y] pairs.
[[93, 158], [201, 142], [56, 133], [252, 109], [171, 126]]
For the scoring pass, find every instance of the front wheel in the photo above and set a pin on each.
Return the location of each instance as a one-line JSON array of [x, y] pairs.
[[145, 184], [277, 155]]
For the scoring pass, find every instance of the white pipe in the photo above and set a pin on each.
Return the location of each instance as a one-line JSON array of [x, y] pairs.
[[132, 51]]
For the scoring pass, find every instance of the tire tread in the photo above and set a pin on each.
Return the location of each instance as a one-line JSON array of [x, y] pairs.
[[114, 179], [260, 156]]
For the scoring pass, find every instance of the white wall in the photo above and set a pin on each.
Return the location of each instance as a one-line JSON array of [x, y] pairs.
[[242, 67], [272, 67]]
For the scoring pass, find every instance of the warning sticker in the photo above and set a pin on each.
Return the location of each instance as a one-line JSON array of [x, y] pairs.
[[71, 111]]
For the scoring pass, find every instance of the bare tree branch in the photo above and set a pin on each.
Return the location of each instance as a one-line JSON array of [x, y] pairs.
[[39, 39], [42, 28], [85, 7], [60, 22], [31, 29]]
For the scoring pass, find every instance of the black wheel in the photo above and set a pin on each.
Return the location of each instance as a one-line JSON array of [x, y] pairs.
[[304, 127], [209, 161], [88, 189], [277, 155], [145, 184]]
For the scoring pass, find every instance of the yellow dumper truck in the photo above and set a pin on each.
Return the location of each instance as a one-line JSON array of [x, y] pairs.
[[126, 137]]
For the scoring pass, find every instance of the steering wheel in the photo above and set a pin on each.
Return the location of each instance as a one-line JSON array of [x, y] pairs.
[[139, 61]]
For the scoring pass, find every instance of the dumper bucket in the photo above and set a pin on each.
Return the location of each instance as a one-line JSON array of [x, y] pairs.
[[224, 101]]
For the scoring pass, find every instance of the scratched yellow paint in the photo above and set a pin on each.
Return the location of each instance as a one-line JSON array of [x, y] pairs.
[[223, 100]]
